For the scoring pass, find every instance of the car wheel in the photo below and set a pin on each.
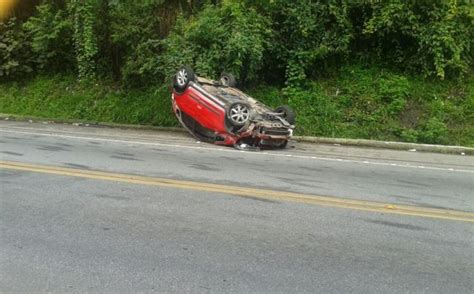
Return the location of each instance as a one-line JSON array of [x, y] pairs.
[[228, 80], [238, 114], [182, 78], [287, 113]]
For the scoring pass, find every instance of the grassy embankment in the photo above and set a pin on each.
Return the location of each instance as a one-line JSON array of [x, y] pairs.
[[355, 103]]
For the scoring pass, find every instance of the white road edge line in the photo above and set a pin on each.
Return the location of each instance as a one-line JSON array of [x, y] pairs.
[[240, 151]]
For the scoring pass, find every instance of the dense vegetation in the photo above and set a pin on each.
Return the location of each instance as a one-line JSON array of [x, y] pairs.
[[396, 70]]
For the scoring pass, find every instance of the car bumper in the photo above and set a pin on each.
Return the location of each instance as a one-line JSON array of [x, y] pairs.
[[266, 136]]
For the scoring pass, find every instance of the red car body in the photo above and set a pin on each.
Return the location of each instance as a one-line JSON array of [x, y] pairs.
[[221, 114]]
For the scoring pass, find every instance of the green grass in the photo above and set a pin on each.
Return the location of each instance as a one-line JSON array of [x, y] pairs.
[[65, 98], [373, 103], [357, 102]]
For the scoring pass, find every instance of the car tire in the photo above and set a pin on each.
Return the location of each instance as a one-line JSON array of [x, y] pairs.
[[182, 78], [287, 113], [228, 80], [238, 114]]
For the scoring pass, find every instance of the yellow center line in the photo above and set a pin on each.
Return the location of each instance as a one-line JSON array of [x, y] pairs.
[[247, 192]]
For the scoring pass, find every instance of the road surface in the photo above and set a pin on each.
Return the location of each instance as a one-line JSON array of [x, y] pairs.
[[87, 209]]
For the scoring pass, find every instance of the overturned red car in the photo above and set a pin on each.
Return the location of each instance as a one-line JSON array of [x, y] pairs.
[[219, 113]]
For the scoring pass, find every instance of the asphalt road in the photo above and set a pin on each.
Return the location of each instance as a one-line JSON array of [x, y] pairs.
[[76, 230]]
